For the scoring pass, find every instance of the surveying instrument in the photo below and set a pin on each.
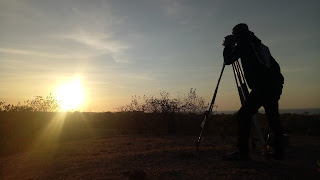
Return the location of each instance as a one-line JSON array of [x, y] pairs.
[[243, 94]]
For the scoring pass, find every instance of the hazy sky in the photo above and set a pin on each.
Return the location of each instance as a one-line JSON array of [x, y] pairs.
[[121, 48]]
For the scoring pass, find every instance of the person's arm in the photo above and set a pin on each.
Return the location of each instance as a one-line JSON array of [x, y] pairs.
[[230, 51]]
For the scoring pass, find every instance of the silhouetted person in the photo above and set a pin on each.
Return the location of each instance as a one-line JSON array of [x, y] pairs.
[[265, 80]]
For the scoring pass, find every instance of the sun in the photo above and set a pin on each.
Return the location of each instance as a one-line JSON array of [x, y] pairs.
[[70, 95]]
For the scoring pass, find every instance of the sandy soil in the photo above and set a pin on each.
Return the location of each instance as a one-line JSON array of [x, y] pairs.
[[157, 157]]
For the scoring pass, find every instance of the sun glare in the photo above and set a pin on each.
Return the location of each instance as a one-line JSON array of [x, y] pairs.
[[70, 95]]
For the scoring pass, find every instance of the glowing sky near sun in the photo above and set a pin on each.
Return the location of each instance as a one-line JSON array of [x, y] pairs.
[[125, 48], [71, 95]]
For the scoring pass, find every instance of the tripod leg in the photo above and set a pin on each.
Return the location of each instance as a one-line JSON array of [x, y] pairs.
[[241, 95], [207, 113]]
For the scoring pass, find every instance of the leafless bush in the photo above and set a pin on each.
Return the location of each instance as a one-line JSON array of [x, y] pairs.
[[38, 104], [190, 103]]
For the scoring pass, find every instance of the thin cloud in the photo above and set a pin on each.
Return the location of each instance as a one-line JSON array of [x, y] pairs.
[[16, 51], [98, 41], [141, 77], [102, 43], [174, 8], [184, 14], [85, 23]]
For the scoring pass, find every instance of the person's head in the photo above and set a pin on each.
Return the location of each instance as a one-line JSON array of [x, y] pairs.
[[240, 30]]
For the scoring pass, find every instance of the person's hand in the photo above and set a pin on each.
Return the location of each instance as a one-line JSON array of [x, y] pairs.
[[229, 41]]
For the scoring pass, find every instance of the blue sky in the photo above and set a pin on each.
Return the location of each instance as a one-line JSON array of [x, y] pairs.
[[121, 48]]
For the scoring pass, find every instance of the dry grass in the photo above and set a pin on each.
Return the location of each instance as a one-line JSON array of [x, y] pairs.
[[135, 145], [156, 157]]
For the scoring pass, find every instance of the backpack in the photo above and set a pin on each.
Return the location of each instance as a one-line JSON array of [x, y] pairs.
[[263, 54]]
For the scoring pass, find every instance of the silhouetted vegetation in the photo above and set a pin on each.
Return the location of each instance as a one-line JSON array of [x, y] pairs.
[[191, 103], [18, 130], [23, 125], [38, 104]]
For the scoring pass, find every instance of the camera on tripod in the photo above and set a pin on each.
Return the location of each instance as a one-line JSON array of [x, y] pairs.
[[229, 41]]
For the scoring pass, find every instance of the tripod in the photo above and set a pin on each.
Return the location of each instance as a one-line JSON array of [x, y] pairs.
[[243, 94], [208, 113]]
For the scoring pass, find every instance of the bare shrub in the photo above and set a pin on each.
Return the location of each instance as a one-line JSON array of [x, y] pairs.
[[190, 103], [38, 104]]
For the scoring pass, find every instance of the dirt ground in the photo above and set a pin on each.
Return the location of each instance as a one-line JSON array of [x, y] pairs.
[[157, 157]]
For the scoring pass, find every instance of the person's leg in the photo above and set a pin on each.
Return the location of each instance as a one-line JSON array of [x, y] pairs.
[[248, 109], [272, 112]]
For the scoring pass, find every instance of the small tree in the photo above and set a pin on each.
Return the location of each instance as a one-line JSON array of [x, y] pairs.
[[38, 104], [193, 103]]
